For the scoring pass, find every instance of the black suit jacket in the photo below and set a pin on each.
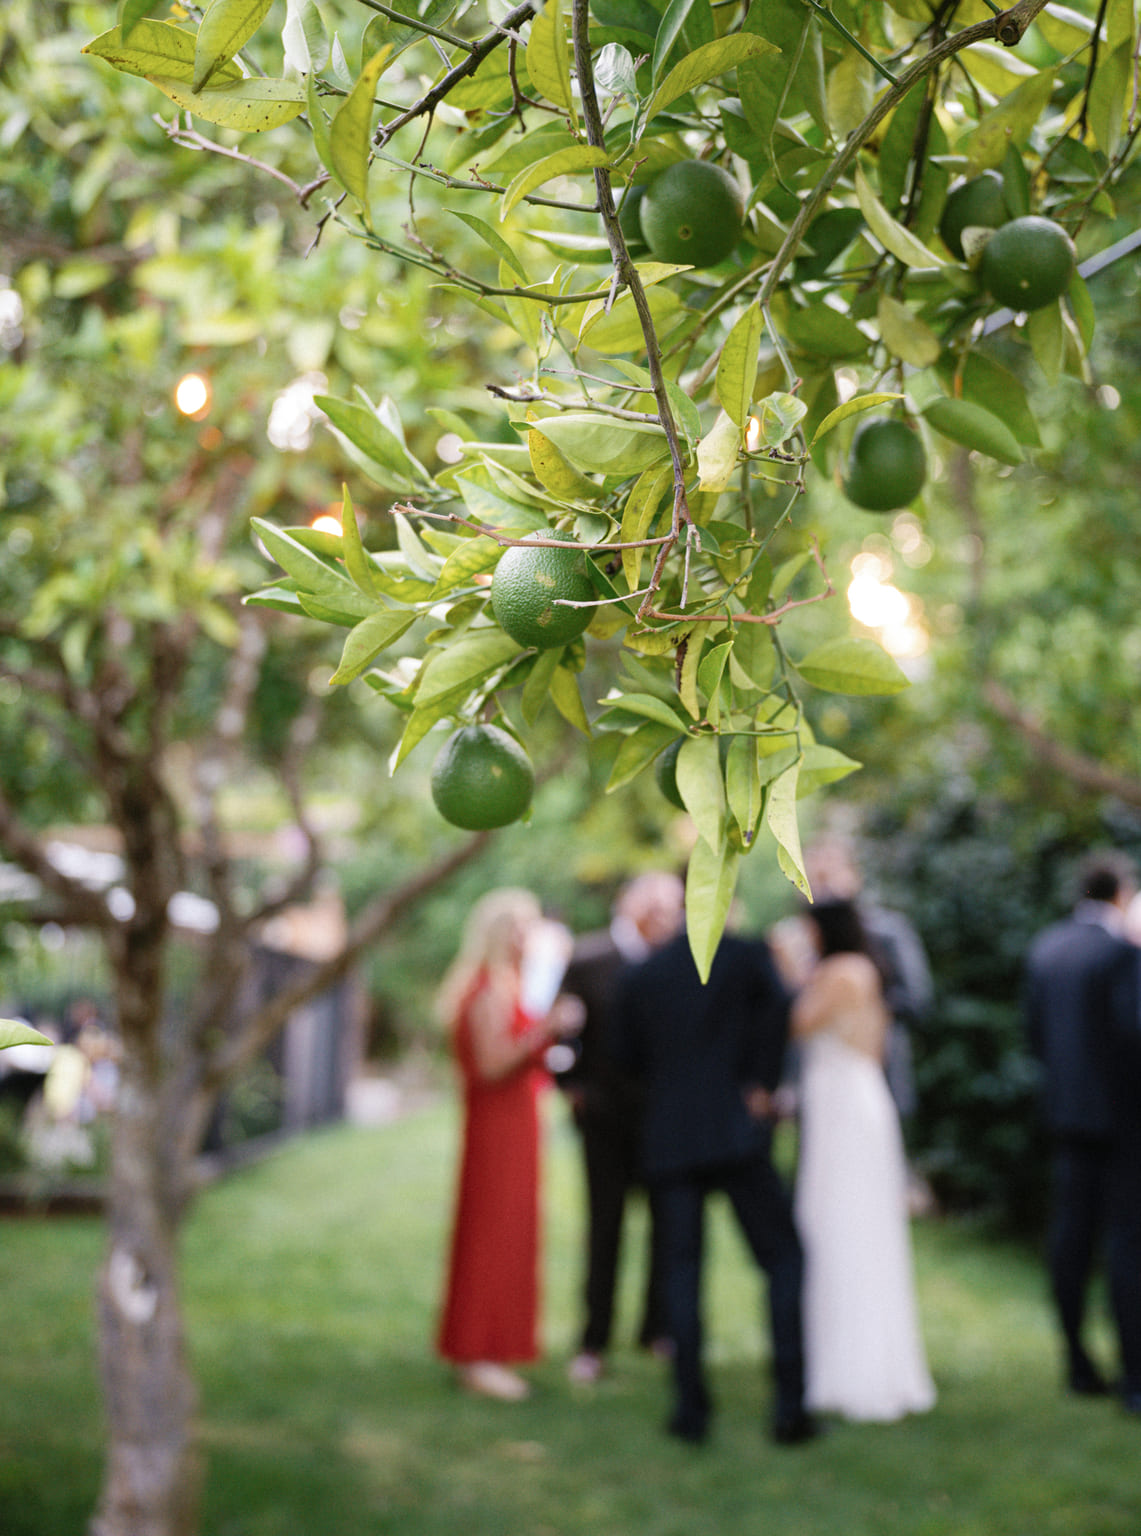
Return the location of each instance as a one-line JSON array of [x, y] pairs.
[[1083, 1025], [696, 1049], [603, 1089]]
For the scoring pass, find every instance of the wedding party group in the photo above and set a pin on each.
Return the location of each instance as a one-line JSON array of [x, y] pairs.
[[677, 1085]]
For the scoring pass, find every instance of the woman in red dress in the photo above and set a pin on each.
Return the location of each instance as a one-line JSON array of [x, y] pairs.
[[490, 1313]]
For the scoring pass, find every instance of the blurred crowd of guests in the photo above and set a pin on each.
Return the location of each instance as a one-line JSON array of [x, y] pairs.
[[676, 1086]]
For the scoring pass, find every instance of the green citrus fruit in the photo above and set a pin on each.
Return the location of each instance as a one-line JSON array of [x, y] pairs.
[[886, 465], [524, 589], [665, 771], [978, 202], [481, 778], [692, 213], [630, 221], [1027, 263]]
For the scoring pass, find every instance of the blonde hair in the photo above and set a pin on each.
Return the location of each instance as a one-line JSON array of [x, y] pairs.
[[487, 940]]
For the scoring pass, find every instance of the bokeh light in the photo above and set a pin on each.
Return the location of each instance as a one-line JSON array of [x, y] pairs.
[[192, 395]]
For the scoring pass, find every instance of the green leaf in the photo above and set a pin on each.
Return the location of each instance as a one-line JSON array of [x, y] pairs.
[[311, 573], [743, 784], [710, 883], [251, 106], [350, 133], [361, 570], [366, 641], [905, 335], [1109, 95], [16, 1032], [706, 63], [822, 765], [568, 700], [385, 457], [826, 333], [974, 427], [564, 162], [701, 786], [605, 443], [537, 686], [851, 407], [1010, 122], [620, 329], [638, 514], [1047, 339], [494, 239], [463, 664], [779, 416], [853, 666], [131, 13], [646, 705], [471, 558], [892, 235], [737, 369], [669, 29], [638, 751], [987, 383], [548, 61], [420, 723], [156, 48], [780, 816], [226, 28]]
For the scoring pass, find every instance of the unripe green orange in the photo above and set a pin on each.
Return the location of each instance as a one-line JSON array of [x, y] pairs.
[[979, 202], [481, 778], [1028, 263], [525, 589], [887, 465], [692, 213]]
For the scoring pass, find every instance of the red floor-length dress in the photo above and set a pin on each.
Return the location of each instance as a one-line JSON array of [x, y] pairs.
[[491, 1306]]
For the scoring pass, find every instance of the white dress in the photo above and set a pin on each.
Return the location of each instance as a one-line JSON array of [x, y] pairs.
[[864, 1355]]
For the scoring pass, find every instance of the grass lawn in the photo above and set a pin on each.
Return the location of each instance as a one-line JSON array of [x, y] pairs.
[[311, 1283]]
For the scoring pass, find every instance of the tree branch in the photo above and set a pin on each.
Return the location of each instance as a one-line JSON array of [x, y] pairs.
[[1086, 772], [371, 924]]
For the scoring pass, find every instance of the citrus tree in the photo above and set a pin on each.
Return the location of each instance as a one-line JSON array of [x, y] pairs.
[[715, 238]]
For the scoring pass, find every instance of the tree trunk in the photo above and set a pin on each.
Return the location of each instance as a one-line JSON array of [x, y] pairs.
[[152, 1474]]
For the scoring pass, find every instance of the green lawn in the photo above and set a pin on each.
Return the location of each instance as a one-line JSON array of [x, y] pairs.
[[311, 1283]]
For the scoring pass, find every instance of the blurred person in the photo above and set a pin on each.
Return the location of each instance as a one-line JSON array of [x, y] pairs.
[[489, 1319], [606, 1105], [1082, 1022], [864, 1355], [834, 874], [708, 1057]]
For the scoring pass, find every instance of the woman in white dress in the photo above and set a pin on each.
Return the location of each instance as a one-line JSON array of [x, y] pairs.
[[863, 1349]]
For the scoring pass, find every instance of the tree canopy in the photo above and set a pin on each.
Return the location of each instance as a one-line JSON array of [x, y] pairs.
[[676, 417]]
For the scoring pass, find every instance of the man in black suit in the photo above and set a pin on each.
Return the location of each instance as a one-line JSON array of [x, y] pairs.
[[1082, 1018], [708, 1058], [606, 1104]]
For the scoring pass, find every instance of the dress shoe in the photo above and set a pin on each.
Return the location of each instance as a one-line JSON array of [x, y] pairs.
[[487, 1379], [1087, 1381], [795, 1428], [692, 1427]]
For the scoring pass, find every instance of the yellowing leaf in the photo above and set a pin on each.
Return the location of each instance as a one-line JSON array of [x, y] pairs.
[[548, 62], [154, 48], [717, 454], [564, 162], [350, 132], [737, 368], [226, 27], [250, 106], [891, 234], [706, 63], [855, 666]]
